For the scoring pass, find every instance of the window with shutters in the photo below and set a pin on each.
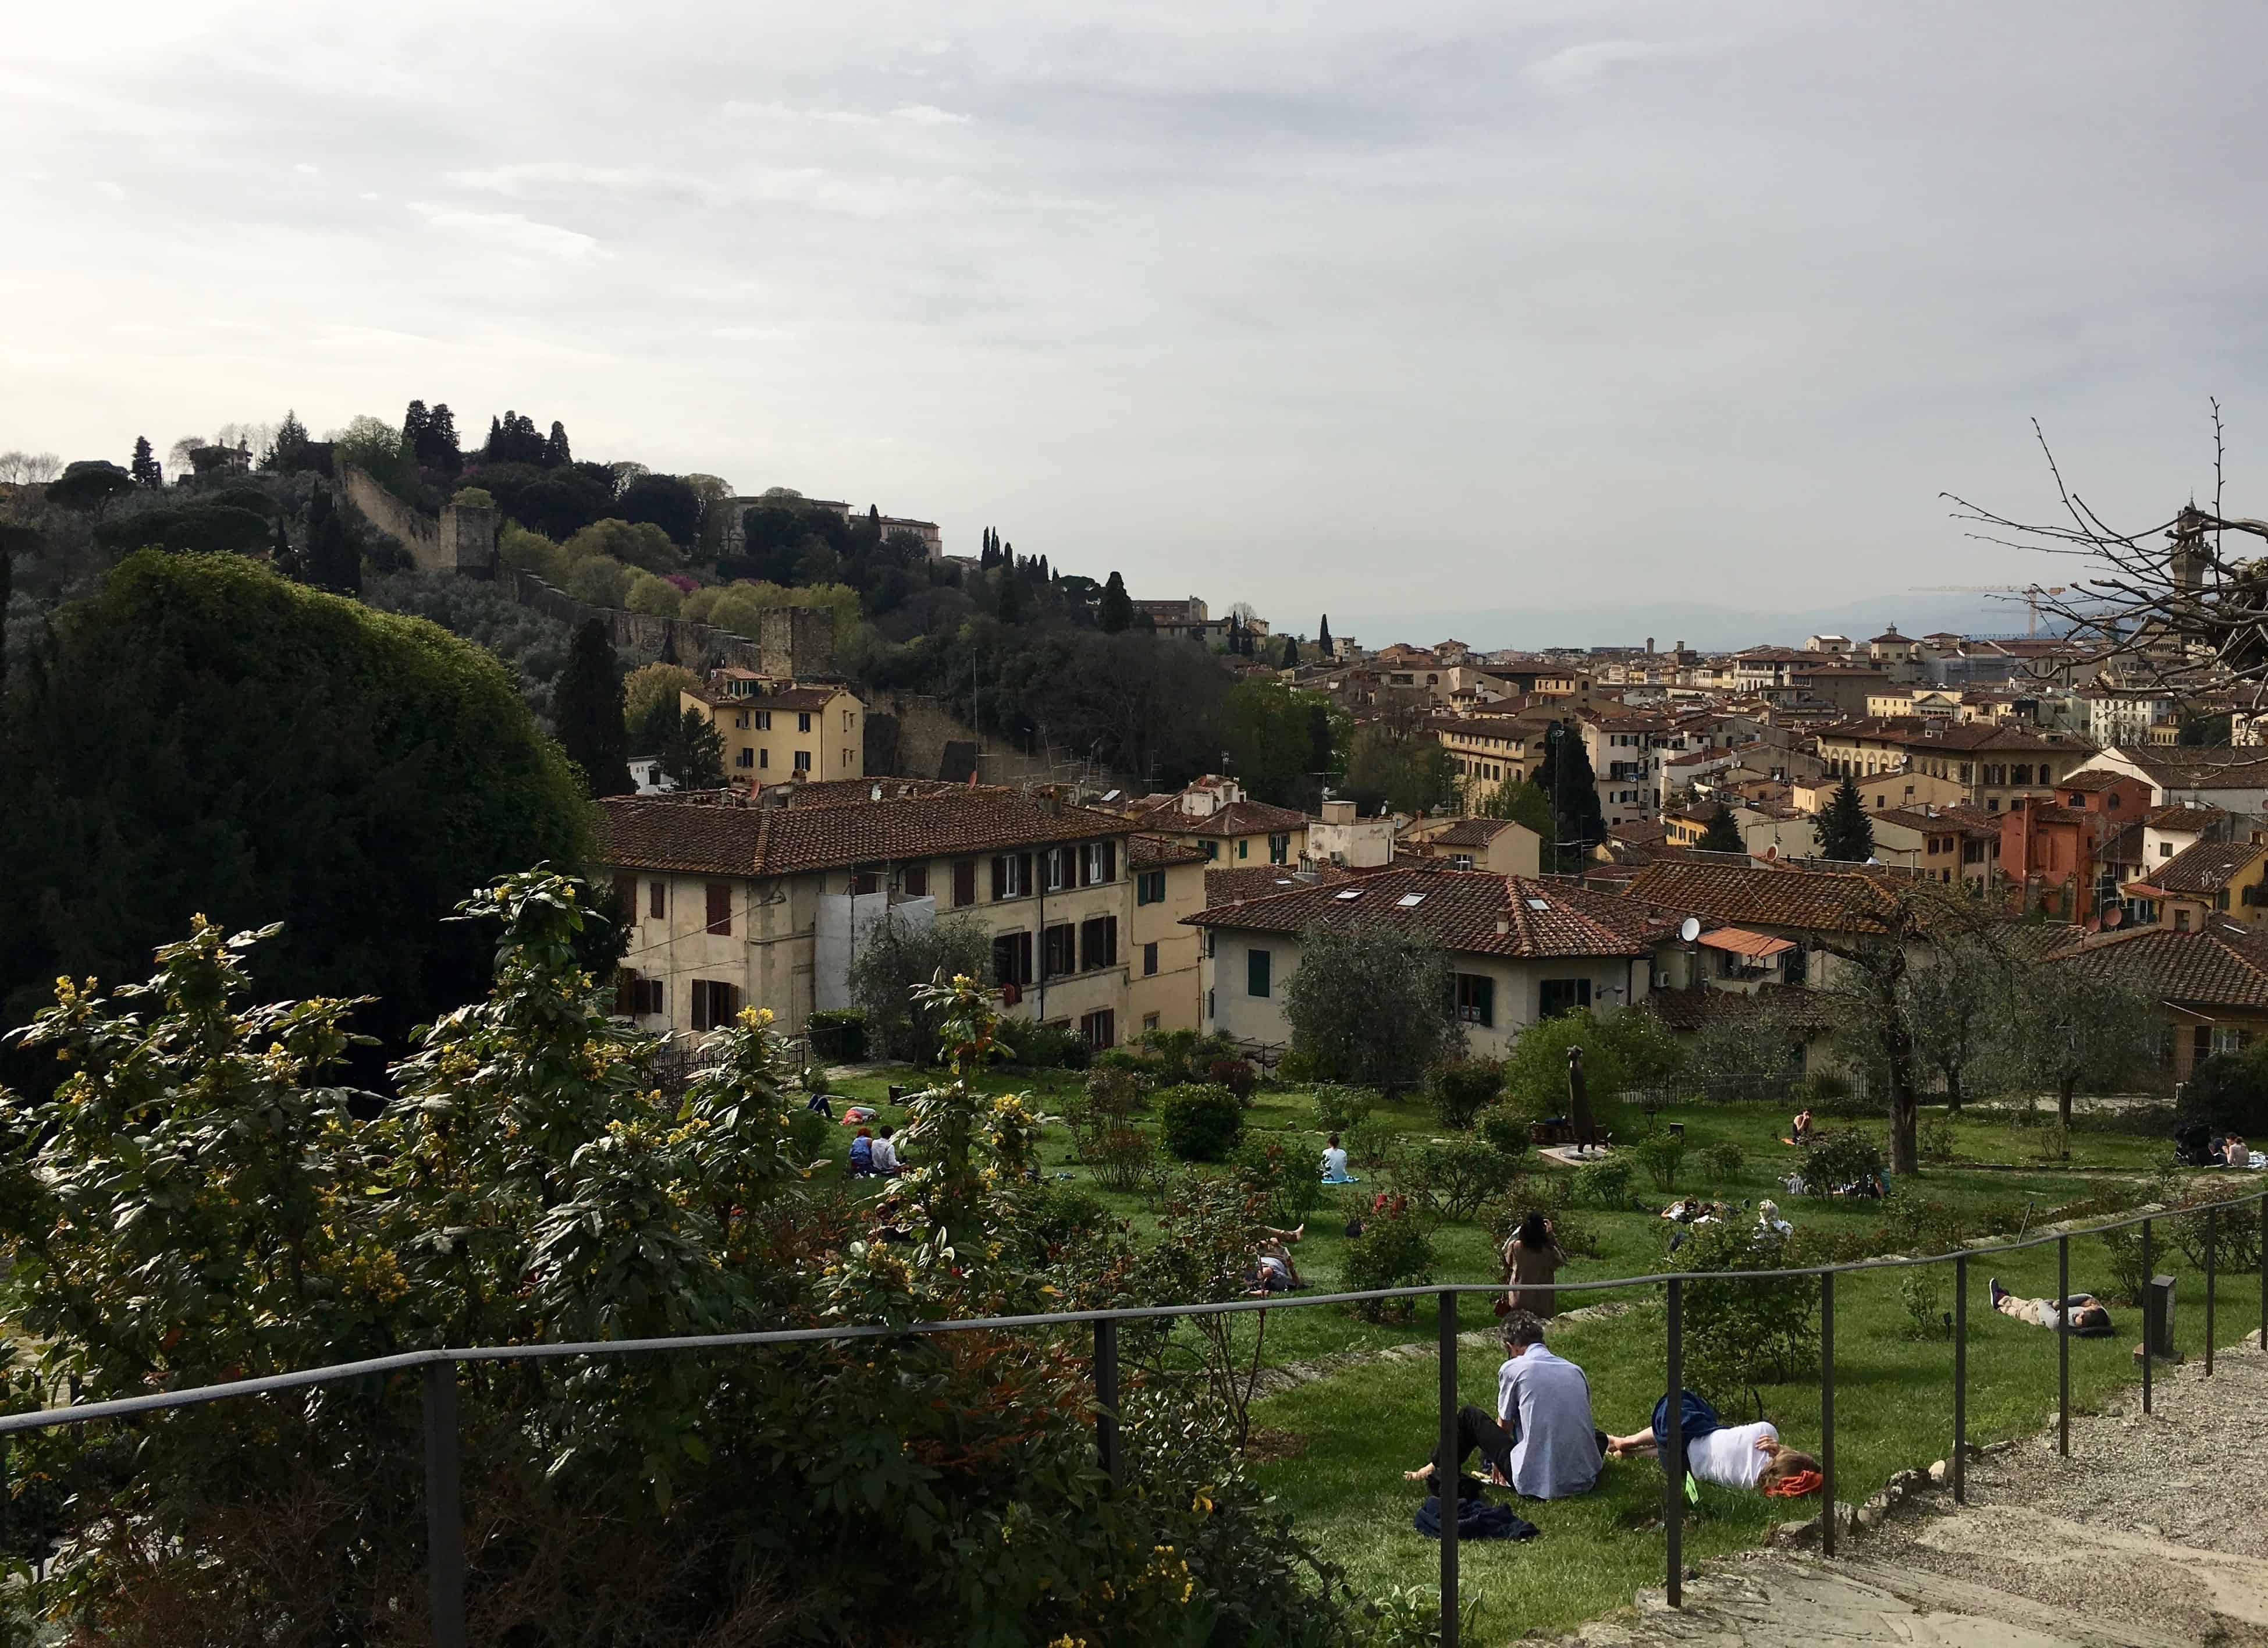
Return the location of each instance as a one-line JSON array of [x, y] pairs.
[[1149, 960], [720, 908], [964, 883], [657, 895], [803, 721], [763, 720], [1560, 996], [714, 1002], [1098, 863], [916, 880], [1012, 959], [1058, 951], [1100, 1029], [1475, 999], [639, 998], [744, 756], [1060, 869], [741, 721], [764, 758], [1011, 876], [803, 761], [1243, 848], [1098, 943], [1279, 849], [865, 881], [626, 895], [1259, 966]]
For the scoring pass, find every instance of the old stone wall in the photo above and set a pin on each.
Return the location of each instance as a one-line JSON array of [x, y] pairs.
[[927, 725], [791, 641], [419, 534]]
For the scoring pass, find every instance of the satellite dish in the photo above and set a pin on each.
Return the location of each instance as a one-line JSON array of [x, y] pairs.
[[1690, 929], [2112, 915]]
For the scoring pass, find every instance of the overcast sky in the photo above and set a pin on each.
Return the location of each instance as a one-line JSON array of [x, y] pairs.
[[1365, 308]]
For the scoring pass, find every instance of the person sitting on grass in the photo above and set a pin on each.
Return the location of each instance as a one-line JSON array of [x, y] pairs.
[[2234, 1151], [1801, 1126], [1542, 1444], [2088, 1316], [1770, 1222], [862, 1155], [885, 1155], [1731, 1456], [1334, 1164], [1272, 1270]]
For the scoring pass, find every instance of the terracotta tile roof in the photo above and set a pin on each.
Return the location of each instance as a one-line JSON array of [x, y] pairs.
[[1155, 852], [2202, 766], [1238, 818], [851, 792], [1242, 884], [702, 836], [2207, 867], [787, 698], [2223, 966], [1510, 728], [2182, 816], [1461, 910], [2126, 847], [1720, 889], [1640, 832], [2091, 781], [1471, 832]]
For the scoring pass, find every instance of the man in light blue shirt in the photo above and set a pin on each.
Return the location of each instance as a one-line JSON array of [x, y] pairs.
[[1544, 1403]]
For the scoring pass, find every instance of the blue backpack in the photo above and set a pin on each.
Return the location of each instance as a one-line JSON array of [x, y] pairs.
[[1698, 1419]]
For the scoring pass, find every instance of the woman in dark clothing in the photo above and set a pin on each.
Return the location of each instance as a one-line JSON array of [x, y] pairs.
[[1532, 1259]]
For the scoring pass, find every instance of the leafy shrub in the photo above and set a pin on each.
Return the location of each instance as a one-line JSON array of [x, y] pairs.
[[1935, 1138], [1835, 1159], [2230, 1091], [1604, 1184], [1621, 1050], [810, 1136], [815, 1082], [1340, 1109], [837, 1035], [1662, 1155], [1297, 1065], [1452, 1181], [1829, 1092], [1738, 1334], [1183, 1055], [1371, 1144], [2236, 1231], [1395, 1249], [1127, 1059], [1238, 1075], [1115, 1092], [1913, 1225], [1286, 1176], [1123, 1157], [1059, 1215], [2123, 1247], [1725, 1158], [1410, 1616], [1463, 1088], [1048, 1047], [1503, 1129], [1200, 1123], [1921, 1291]]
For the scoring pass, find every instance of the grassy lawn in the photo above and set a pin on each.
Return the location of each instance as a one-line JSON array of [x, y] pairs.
[[1345, 1439]]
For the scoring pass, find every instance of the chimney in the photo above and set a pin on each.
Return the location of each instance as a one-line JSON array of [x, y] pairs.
[[1503, 926]]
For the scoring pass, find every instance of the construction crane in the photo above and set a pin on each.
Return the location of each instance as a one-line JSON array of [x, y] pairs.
[[2031, 592]]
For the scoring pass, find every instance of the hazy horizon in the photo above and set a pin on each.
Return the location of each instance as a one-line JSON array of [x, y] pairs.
[[1702, 303]]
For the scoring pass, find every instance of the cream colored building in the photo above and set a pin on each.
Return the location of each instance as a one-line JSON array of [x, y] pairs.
[[767, 903], [1497, 845], [1214, 816], [775, 731], [1165, 985], [1519, 950], [1490, 749]]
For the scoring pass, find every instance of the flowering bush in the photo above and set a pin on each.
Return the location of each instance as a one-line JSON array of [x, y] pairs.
[[1395, 1249]]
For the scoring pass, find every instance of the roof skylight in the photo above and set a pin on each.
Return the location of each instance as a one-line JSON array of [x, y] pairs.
[[1408, 898], [1541, 904], [1351, 893]]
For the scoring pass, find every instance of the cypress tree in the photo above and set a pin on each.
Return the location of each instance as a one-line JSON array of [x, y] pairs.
[[557, 455], [588, 706], [1290, 653], [1010, 609], [1723, 834], [144, 468], [1117, 608], [333, 562], [440, 450], [1844, 831], [1572, 789], [415, 424], [1323, 638]]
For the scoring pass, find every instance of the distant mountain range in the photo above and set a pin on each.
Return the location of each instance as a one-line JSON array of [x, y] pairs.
[[1710, 628]]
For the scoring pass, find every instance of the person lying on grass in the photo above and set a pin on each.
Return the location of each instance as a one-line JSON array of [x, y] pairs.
[[1732, 1456], [2088, 1317], [1542, 1444], [1273, 1271]]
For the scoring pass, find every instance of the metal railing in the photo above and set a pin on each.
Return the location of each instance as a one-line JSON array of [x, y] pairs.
[[438, 1368]]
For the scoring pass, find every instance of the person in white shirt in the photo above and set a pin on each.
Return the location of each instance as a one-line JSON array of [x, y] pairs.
[[1769, 1221], [1732, 1456], [1335, 1163], [1542, 1444], [886, 1155]]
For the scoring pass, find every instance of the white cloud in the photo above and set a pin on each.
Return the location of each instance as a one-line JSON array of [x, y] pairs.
[[738, 109], [518, 233], [1579, 67], [114, 190], [928, 114], [304, 167]]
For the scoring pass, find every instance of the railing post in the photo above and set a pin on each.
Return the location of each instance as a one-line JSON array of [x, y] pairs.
[[2063, 1346], [2211, 1230], [1827, 1411], [2149, 1269], [1449, 1467], [1673, 1456], [445, 1508], [1960, 1380], [2263, 1273], [1105, 1401]]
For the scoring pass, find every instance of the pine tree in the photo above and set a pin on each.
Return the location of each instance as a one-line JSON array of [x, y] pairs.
[[1723, 834], [587, 705], [556, 454], [693, 758], [145, 466], [1117, 609], [1323, 638], [1844, 831], [289, 452], [1290, 653], [417, 424]]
